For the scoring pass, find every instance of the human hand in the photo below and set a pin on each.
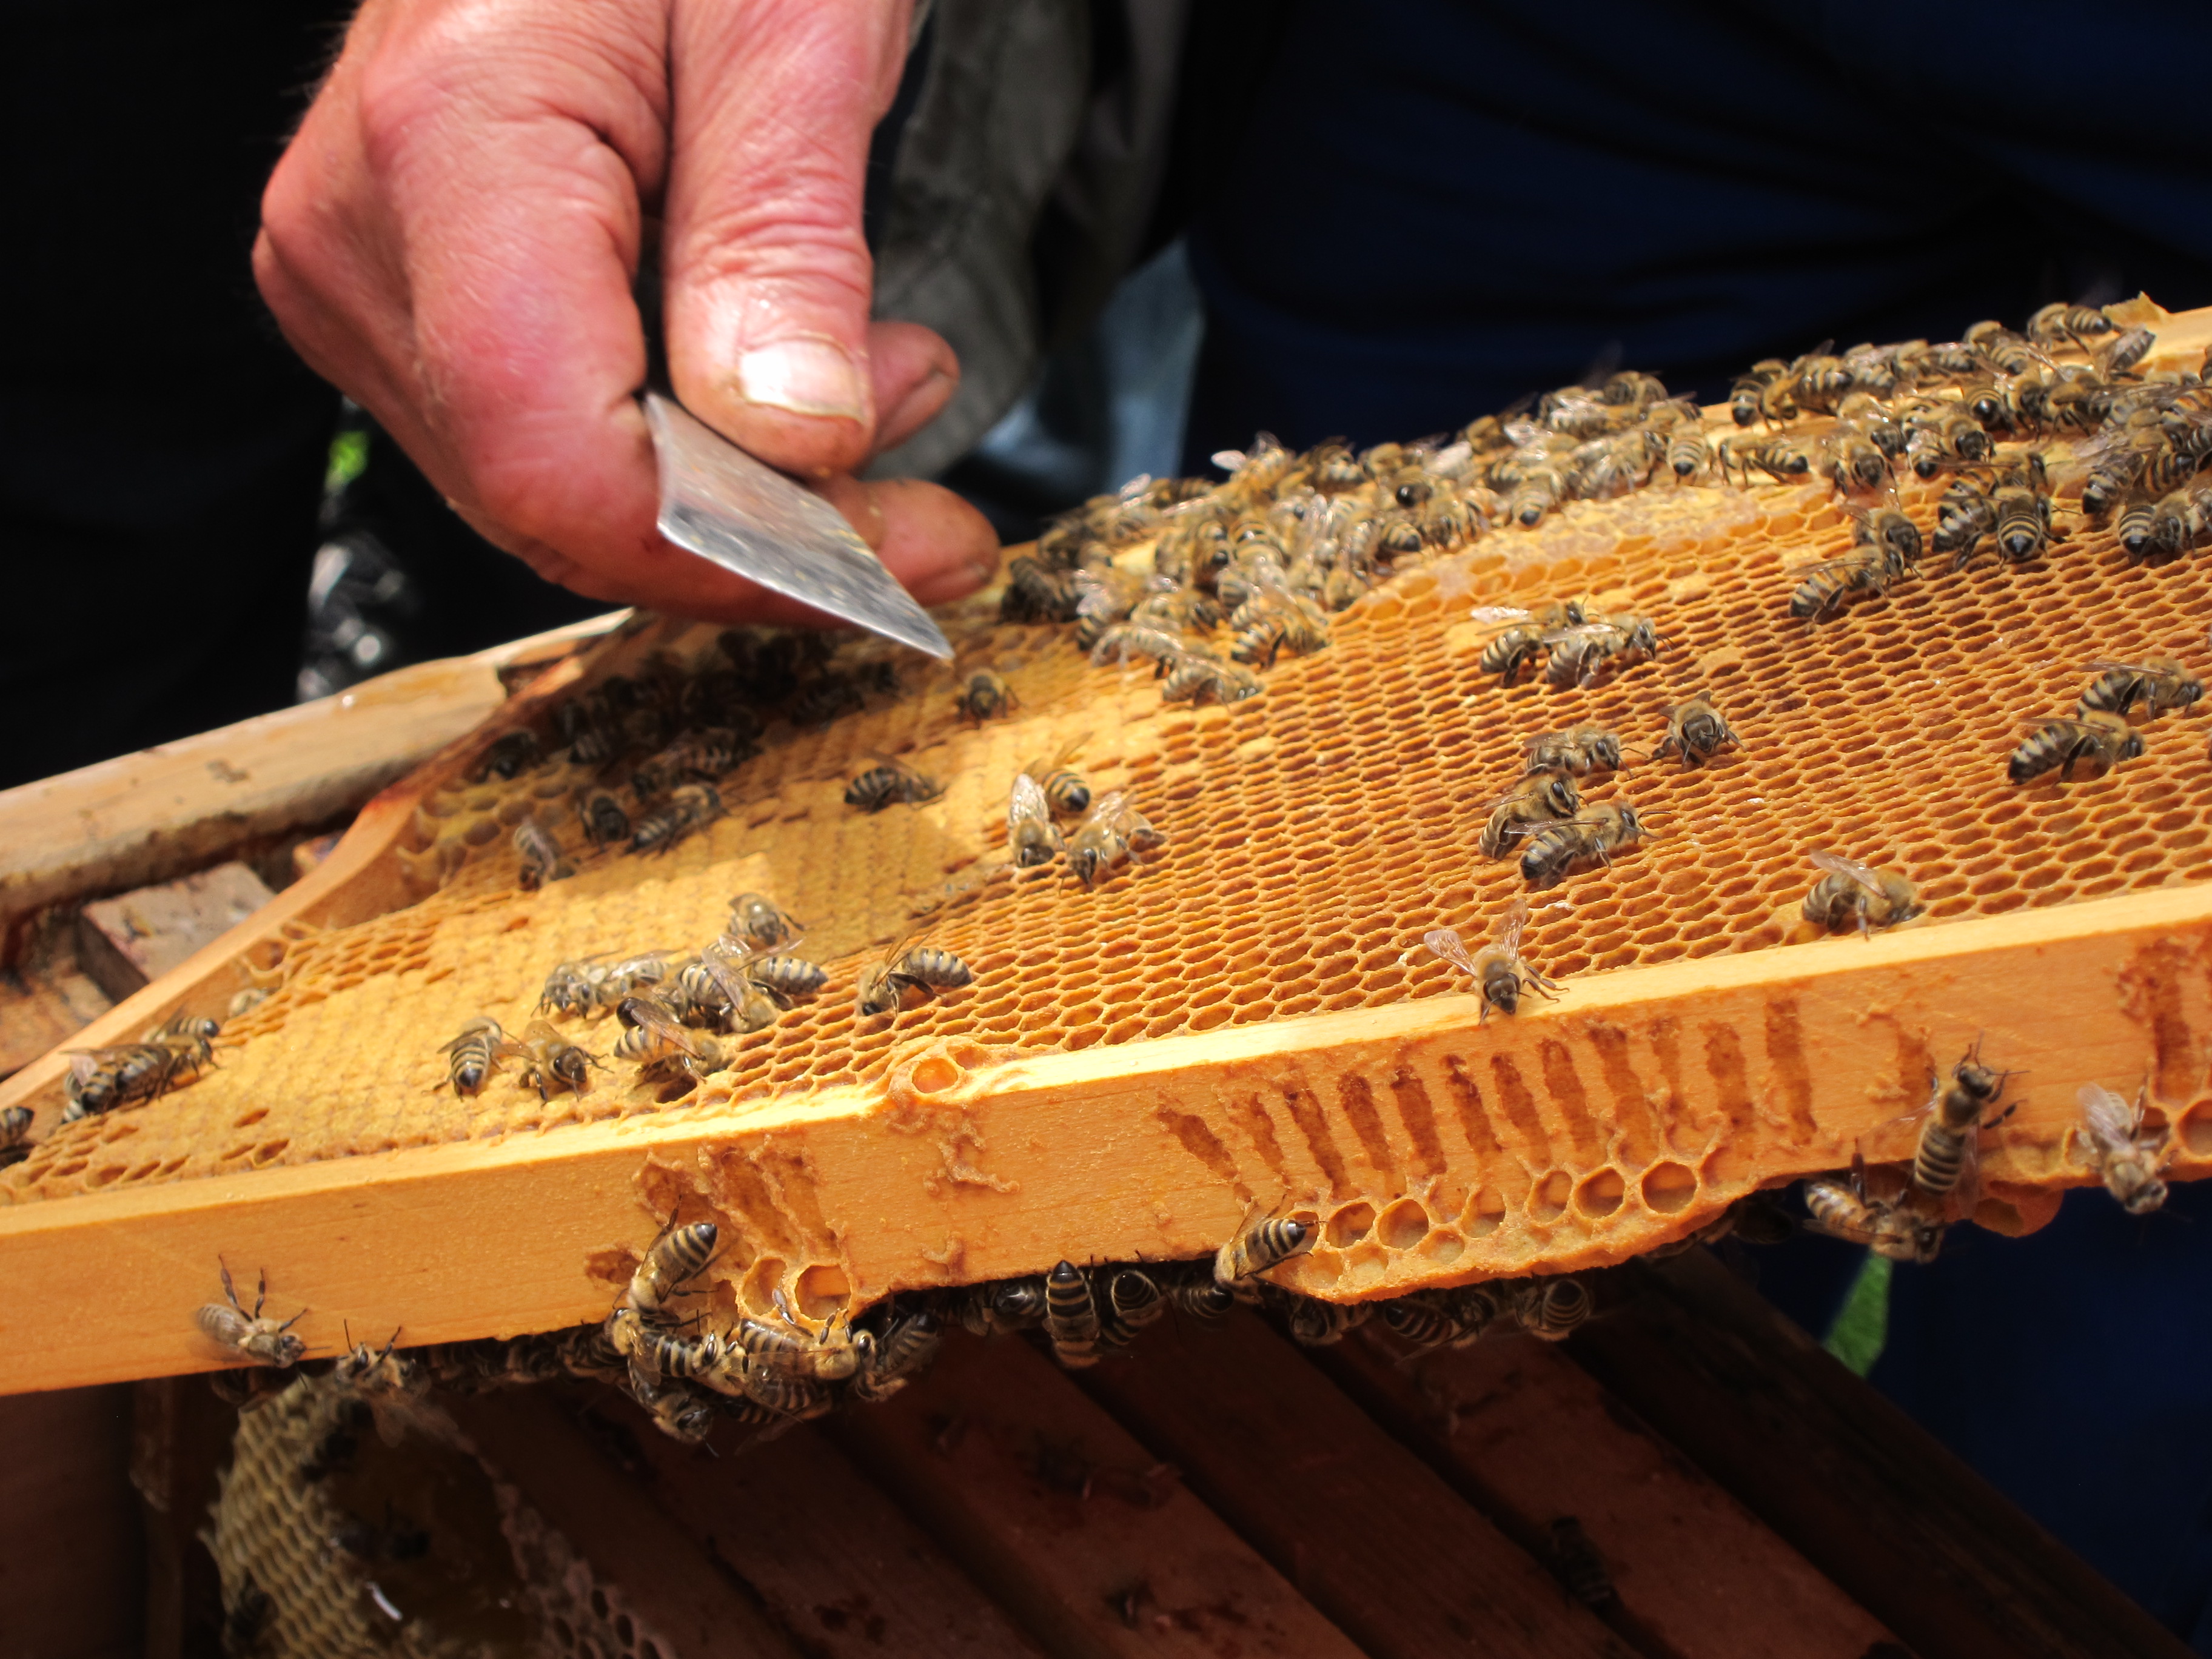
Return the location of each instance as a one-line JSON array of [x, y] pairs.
[[453, 234]]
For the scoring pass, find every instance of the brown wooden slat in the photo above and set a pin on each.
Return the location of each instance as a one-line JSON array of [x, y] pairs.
[[1371, 1535], [835, 1560], [70, 1572], [181, 1436], [1528, 1437], [667, 1578], [1068, 1521], [1898, 1523]]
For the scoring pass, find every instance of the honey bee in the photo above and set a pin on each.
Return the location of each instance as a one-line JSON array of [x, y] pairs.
[[1071, 1317], [1512, 651], [790, 1350], [691, 807], [1888, 1228], [511, 752], [1853, 892], [676, 1411], [1499, 971], [1763, 395], [1191, 1289], [1553, 853], [1007, 1305], [1874, 421], [604, 822], [1550, 1310], [2021, 506], [1539, 798], [542, 860], [248, 1336], [15, 1135], [1896, 537], [986, 696], [902, 1352], [1120, 643], [760, 923], [101, 1080], [1421, 1323], [893, 781], [550, 1060], [2124, 351], [1579, 750], [657, 1042], [1260, 1247], [2116, 1147], [1197, 677], [1313, 1323], [701, 756], [1065, 792], [1031, 833], [679, 1255], [1576, 1563], [2102, 740], [1827, 587], [787, 976], [1113, 830], [1601, 649], [1036, 593], [2157, 528], [191, 1039], [2060, 324], [1948, 1137], [1687, 452], [2158, 684], [1947, 437], [909, 967], [1695, 731], [1965, 515], [1855, 461], [1778, 458], [474, 1055], [1133, 1302]]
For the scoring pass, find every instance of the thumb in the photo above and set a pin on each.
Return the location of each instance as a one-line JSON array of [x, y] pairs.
[[768, 277]]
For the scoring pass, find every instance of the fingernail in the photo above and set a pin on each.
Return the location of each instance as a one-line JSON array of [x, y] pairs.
[[807, 375]]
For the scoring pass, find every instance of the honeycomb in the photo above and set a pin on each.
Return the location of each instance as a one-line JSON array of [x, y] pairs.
[[1313, 833], [309, 1534]]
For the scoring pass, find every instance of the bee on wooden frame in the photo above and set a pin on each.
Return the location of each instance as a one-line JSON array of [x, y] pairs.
[[249, 1336], [2114, 1143], [1499, 971], [1849, 892]]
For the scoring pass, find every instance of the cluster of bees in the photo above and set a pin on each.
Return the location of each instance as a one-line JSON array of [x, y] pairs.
[[2097, 734], [788, 1369], [1907, 1225], [128, 1074], [671, 1004]]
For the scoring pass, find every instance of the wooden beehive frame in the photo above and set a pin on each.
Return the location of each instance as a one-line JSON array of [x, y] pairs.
[[1430, 1149]]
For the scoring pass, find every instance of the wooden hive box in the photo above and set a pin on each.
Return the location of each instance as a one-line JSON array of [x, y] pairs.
[[1242, 1024]]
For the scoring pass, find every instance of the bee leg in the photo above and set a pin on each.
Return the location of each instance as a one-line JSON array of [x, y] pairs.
[[261, 1294]]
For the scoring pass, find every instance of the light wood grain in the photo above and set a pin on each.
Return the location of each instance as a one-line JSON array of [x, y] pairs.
[[145, 817], [961, 1168]]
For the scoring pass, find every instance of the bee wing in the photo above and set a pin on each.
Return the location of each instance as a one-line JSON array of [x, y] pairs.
[[1509, 930], [539, 1031], [653, 1016], [2104, 663], [1855, 560], [1852, 870], [1107, 808], [1027, 801], [1446, 943], [1500, 616], [2110, 1121], [725, 962]]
